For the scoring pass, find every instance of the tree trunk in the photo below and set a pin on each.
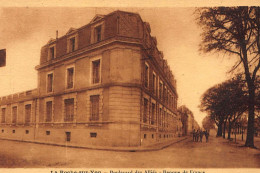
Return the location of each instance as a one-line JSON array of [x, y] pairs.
[[219, 134], [251, 117], [224, 131], [229, 128]]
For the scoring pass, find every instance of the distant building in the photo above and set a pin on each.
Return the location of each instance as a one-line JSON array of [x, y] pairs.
[[188, 121], [103, 84]]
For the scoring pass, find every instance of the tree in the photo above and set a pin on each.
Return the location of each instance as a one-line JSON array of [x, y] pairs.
[[211, 102], [225, 102], [208, 123], [235, 31]]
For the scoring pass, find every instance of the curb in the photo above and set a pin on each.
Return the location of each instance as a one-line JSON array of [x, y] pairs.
[[154, 147]]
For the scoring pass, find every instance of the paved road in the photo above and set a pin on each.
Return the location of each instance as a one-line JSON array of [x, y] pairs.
[[218, 153]]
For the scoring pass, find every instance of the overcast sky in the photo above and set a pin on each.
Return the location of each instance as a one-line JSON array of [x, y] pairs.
[[23, 31]]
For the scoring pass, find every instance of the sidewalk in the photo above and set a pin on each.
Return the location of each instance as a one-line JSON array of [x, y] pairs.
[[239, 141], [153, 147]]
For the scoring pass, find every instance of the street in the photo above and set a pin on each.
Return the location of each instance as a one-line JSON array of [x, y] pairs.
[[217, 153]]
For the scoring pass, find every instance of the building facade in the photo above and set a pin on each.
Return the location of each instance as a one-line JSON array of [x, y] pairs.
[[103, 84], [188, 121]]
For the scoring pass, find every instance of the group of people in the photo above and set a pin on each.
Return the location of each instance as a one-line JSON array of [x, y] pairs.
[[198, 135]]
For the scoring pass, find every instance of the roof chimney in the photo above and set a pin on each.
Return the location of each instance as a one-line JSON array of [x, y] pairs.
[[57, 34]]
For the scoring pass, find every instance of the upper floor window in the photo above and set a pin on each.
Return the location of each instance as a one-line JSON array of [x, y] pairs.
[[52, 52], [154, 83], [3, 115], [145, 113], [94, 108], [69, 109], [72, 43], [98, 33], [70, 77], [146, 75], [165, 94], [160, 90], [50, 82], [28, 110], [96, 71]]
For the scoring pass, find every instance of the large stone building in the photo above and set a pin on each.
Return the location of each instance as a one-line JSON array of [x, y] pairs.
[[103, 84]]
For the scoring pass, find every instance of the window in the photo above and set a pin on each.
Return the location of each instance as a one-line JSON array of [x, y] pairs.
[[48, 111], [94, 108], [96, 71], [50, 82], [3, 115], [26, 131], [70, 75], [160, 90], [146, 75], [144, 136], [3, 130], [13, 131], [93, 135], [154, 83], [160, 117], [164, 115], [165, 94], [51, 52], [98, 33], [153, 114], [48, 132], [69, 109], [68, 136], [14, 114], [145, 114], [72, 44], [28, 109]]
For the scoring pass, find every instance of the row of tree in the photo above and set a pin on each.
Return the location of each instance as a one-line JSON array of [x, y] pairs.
[[235, 31], [226, 103]]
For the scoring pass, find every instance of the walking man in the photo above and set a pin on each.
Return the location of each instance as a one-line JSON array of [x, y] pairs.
[[201, 135], [193, 135], [207, 136]]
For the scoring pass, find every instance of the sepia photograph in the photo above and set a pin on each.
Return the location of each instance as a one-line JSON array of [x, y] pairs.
[[148, 88]]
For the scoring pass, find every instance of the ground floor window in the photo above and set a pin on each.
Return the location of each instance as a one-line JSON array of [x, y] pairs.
[[28, 110], [153, 114], [94, 108], [48, 111], [145, 113], [68, 136], [3, 115], [14, 114], [69, 109]]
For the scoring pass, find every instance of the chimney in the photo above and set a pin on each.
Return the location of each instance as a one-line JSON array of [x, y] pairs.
[[57, 34]]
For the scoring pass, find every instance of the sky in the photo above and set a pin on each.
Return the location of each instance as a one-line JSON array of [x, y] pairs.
[[24, 30]]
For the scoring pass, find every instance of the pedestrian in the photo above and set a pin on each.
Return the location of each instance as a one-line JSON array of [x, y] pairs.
[[201, 135], [193, 135], [207, 136], [197, 135]]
